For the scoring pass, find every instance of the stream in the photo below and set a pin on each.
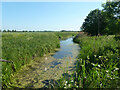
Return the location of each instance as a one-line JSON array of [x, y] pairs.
[[51, 67]]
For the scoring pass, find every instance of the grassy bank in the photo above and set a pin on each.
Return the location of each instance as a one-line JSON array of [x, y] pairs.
[[98, 64], [64, 35], [20, 48]]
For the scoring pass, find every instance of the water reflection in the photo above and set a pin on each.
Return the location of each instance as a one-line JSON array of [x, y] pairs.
[[67, 49]]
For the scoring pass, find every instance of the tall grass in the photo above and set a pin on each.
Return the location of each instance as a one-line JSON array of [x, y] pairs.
[[98, 64], [100, 61], [21, 48], [64, 35]]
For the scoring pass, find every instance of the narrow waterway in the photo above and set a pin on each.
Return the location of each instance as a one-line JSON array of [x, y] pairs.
[[51, 67]]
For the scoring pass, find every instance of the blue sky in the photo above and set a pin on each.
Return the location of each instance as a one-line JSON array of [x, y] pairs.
[[48, 16]]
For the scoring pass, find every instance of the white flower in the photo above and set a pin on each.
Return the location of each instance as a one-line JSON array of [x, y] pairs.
[[75, 84], [94, 55], [69, 85], [71, 80], [100, 56], [64, 87], [98, 65], [66, 82], [107, 71], [116, 68], [45, 68]]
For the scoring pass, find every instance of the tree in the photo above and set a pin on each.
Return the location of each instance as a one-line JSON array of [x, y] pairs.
[[63, 30], [106, 21], [94, 23], [8, 30], [112, 15], [4, 30], [13, 30]]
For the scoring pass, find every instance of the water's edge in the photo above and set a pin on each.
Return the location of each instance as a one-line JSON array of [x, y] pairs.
[[48, 67]]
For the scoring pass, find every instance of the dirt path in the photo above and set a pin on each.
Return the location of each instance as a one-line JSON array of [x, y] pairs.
[[41, 70]]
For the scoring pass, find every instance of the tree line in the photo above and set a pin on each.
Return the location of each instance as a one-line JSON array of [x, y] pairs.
[[103, 22], [36, 31]]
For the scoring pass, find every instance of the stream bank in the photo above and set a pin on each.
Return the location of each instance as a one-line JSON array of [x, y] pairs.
[[50, 67]]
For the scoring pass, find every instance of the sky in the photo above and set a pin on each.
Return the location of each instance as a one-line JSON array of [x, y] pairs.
[[50, 16]]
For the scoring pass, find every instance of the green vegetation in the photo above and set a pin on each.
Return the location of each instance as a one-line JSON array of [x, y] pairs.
[[22, 47], [98, 64], [105, 21], [64, 35]]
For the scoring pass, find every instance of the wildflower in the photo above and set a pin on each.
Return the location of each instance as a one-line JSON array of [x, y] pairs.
[[98, 65], [75, 84], [45, 68], [100, 56], [45, 58], [93, 64], [64, 87], [66, 82], [101, 85], [116, 68], [95, 56], [71, 80], [69, 85], [107, 71]]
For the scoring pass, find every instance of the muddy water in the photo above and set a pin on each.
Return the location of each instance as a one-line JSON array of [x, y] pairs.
[[50, 67]]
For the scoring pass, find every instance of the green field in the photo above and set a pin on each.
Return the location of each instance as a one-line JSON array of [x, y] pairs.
[[22, 47], [97, 65], [54, 45]]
